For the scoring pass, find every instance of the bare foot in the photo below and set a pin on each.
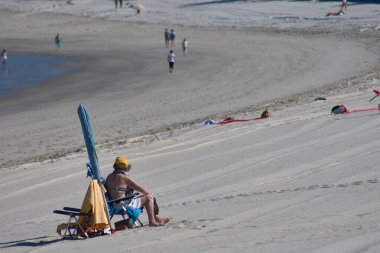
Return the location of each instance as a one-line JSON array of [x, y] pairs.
[[160, 222], [155, 224], [165, 220]]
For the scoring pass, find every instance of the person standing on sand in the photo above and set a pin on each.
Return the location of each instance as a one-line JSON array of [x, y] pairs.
[[120, 3], [171, 61], [185, 44], [4, 59], [58, 41], [119, 184], [344, 5], [172, 38], [166, 37]]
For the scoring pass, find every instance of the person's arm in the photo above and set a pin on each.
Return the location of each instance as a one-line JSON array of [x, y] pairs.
[[135, 186]]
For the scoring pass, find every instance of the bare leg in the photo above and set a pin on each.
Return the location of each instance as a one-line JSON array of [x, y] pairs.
[[4, 63], [148, 203]]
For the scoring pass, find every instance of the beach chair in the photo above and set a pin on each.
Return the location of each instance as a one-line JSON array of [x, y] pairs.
[[72, 228], [92, 219], [115, 207], [129, 215]]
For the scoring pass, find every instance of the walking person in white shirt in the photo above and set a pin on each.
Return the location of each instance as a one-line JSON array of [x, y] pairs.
[[171, 61], [185, 44]]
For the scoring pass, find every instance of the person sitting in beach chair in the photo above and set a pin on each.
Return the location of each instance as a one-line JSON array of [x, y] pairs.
[[119, 184]]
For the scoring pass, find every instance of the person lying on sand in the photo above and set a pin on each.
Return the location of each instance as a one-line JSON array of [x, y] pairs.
[[339, 13], [119, 184]]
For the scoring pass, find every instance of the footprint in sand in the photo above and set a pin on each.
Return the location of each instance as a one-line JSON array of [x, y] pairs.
[[357, 183], [193, 224]]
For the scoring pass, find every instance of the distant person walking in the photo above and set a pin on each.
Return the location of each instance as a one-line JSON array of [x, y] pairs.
[[171, 61], [167, 37], [185, 44], [344, 5], [120, 3], [172, 38], [58, 41], [4, 59]]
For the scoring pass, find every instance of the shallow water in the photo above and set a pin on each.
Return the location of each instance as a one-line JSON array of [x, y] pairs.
[[28, 70]]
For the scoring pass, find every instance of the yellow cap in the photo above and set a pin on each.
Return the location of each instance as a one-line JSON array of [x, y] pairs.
[[121, 162]]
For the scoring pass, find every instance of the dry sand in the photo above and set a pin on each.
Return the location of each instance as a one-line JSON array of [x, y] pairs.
[[301, 181]]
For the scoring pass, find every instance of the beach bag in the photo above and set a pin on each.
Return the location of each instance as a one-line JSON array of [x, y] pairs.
[[339, 109]]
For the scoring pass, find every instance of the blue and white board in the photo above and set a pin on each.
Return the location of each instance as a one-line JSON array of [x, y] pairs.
[[91, 151], [90, 143]]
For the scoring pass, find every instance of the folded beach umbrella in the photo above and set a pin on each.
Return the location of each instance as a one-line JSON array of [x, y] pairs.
[[93, 164]]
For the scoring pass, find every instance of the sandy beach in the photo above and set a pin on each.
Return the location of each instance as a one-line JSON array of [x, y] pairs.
[[300, 181]]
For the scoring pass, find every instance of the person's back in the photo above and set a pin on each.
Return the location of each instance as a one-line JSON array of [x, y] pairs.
[[172, 37], [116, 186], [171, 57], [167, 37]]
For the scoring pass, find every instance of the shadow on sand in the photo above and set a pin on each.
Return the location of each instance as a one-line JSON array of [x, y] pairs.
[[356, 116], [32, 242]]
